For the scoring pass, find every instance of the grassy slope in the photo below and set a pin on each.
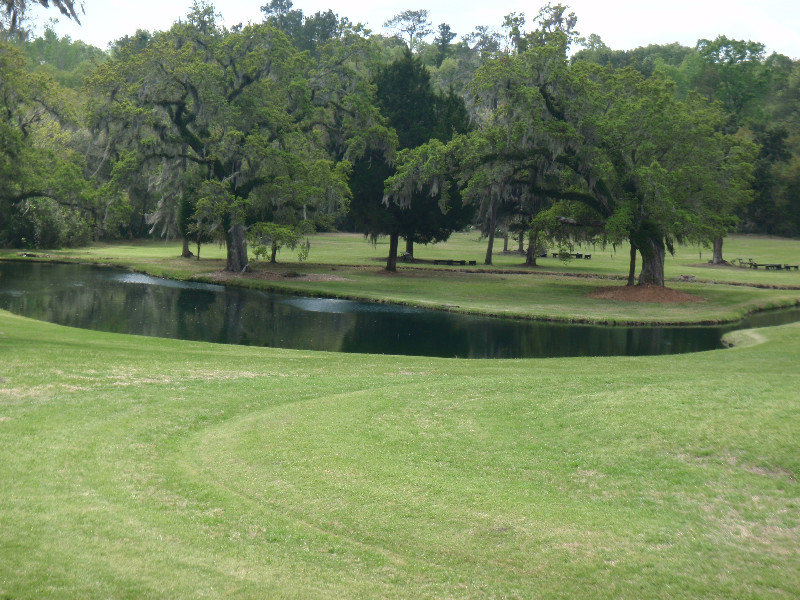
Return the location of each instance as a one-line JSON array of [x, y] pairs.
[[138, 468], [543, 294]]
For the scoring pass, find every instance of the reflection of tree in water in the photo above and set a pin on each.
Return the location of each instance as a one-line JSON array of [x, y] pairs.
[[95, 298], [272, 320], [432, 334]]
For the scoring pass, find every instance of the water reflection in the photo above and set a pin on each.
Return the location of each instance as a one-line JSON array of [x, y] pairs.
[[123, 302]]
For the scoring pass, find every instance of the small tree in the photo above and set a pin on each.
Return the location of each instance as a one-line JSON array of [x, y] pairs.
[[269, 238], [413, 23], [442, 43]]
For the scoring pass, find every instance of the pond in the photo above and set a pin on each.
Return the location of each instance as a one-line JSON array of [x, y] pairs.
[[124, 302]]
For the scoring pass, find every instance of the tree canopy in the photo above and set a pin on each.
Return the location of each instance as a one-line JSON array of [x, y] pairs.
[[619, 153], [417, 113], [238, 105], [298, 120]]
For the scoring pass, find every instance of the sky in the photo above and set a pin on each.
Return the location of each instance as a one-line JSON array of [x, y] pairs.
[[622, 24]]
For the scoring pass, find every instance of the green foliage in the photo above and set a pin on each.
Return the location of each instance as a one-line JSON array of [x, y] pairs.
[[235, 105], [418, 114], [442, 41], [732, 74], [757, 95], [293, 113], [593, 137], [44, 223], [42, 177], [213, 211], [267, 239], [307, 32], [68, 62], [413, 23]]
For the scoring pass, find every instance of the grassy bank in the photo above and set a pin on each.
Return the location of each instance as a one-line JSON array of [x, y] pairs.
[[346, 265], [140, 467]]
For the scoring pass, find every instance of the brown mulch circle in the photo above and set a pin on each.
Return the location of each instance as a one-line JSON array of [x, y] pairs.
[[645, 293]]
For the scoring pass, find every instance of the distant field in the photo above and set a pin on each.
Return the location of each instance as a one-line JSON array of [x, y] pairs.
[[146, 468], [347, 265]]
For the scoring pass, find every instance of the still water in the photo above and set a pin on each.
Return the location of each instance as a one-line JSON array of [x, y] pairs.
[[124, 302]]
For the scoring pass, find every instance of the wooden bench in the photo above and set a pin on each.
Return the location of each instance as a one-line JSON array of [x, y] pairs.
[[789, 267], [570, 254], [451, 262]]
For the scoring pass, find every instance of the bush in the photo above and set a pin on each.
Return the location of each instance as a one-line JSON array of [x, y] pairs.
[[43, 223]]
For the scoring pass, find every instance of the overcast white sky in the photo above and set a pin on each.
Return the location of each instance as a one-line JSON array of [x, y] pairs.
[[621, 23]]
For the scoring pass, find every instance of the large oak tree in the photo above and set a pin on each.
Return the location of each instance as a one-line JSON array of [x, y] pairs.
[[239, 105], [619, 153]]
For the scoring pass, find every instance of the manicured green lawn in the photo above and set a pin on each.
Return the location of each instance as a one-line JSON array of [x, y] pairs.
[[347, 265], [354, 249], [146, 468]]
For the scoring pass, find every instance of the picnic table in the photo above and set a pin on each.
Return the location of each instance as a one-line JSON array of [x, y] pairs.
[[768, 266], [572, 255], [451, 262]]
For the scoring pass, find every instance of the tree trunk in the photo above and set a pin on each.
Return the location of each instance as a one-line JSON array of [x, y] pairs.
[[236, 242], [274, 255], [410, 247], [505, 240], [198, 247], [521, 247], [530, 256], [653, 253], [632, 268], [391, 262], [185, 252], [492, 228], [717, 258]]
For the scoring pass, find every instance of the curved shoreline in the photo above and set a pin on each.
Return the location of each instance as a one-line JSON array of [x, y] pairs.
[[236, 281]]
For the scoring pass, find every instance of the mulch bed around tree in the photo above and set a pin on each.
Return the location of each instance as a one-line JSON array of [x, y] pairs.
[[645, 293]]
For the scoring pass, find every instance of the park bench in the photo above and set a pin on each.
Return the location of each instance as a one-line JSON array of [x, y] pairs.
[[571, 255], [451, 262], [789, 267]]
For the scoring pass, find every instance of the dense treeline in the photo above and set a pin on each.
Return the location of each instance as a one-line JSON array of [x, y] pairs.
[[300, 122]]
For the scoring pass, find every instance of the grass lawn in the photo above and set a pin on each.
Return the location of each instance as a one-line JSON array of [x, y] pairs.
[[346, 265], [137, 467]]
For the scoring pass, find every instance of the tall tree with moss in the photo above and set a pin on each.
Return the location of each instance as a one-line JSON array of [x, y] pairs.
[[235, 103], [619, 153], [45, 199]]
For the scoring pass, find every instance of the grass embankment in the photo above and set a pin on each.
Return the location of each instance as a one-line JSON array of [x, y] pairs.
[[346, 265], [147, 468]]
